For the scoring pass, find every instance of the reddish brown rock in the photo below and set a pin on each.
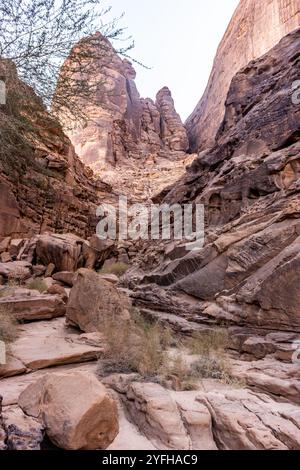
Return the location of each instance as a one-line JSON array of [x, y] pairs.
[[248, 271], [92, 299], [53, 191], [30, 305]]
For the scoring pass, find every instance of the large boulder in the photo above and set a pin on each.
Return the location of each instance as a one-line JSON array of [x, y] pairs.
[[61, 250], [75, 409], [92, 299]]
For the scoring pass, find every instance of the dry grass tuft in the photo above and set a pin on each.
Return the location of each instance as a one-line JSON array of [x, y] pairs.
[[152, 351], [37, 284], [207, 342], [119, 269], [134, 346], [8, 325]]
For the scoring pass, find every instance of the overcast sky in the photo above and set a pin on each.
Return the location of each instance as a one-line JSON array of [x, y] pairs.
[[178, 39]]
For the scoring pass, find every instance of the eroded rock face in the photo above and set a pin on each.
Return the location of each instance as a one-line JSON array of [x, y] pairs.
[[92, 299], [248, 270], [49, 188], [122, 125], [254, 29], [75, 409], [247, 421]]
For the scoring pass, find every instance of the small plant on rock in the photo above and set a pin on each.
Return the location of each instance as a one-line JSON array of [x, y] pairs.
[[37, 284]]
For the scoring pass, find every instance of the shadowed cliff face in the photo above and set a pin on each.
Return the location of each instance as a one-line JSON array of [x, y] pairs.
[[43, 184], [121, 125], [254, 29], [249, 184]]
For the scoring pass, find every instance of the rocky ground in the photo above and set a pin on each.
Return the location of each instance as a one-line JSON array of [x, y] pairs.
[[51, 357]]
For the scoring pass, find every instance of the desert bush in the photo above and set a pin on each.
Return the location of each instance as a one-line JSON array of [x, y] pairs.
[[208, 342], [207, 367], [8, 325], [37, 284], [119, 269], [176, 373], [134, 346], [151, 350]]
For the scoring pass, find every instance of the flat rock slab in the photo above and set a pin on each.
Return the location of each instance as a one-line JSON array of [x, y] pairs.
[[49, 343], [12, 387], [29, 305]]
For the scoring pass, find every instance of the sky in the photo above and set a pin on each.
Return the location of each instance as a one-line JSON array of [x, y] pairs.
[[178, 40]]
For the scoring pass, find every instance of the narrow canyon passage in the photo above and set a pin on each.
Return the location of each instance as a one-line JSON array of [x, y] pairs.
[[132, 344]]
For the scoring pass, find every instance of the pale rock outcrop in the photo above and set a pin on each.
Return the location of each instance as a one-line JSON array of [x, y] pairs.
[[121, 124], [44, 344], [244, 420], [255, 28], [75, 409], [172, 132], [92, 300]]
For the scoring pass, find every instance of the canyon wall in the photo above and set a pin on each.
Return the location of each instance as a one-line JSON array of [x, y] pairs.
[[43, 183], [256, 26], [248, 271]]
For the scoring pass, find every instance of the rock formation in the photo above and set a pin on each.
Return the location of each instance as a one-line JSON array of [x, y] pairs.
[[91, 365], [120, 124], [76, 411], [247, 272], [254, 29], [43, 184]]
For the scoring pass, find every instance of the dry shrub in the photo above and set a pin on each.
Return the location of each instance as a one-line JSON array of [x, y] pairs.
[[177, 373], [8, 325], [152, 351], [208, 342], [37, 284], [134, 346], [119, 269]]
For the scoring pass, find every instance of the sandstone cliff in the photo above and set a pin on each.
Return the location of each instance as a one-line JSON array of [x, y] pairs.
[[254, 29], [43, 184], [121, 125]]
